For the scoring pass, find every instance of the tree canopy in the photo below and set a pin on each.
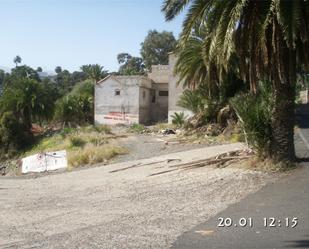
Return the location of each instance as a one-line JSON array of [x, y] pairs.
[[94, 72], [156, 47], [130, 65]]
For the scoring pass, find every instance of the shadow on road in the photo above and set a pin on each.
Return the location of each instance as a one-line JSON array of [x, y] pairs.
[[302, 134], [302, 116], [302, 159], [298, 243]]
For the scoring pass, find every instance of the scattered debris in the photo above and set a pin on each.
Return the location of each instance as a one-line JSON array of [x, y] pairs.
[[168, 132], [220, 161], [122, 169], [173, 160], [144, 164], [196, 121], [162, 172]]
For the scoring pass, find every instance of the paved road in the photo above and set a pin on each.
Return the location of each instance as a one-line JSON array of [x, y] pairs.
[[286, 198]]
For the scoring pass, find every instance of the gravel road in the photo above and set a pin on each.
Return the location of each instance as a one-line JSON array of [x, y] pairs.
[[120, 205]]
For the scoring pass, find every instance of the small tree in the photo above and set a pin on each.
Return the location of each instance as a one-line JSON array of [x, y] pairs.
[[58, 69], [17, 60], [156, 47]]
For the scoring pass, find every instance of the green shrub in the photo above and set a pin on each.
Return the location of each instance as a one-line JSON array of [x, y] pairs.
[[66, 131], [103, 128], [14, 135], [199, 103], [191, 100], [77, 107], [98, 141], [136, 128], [76, 141], [254, 114], [178, 119]]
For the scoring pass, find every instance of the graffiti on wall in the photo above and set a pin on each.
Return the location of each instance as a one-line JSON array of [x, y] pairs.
[[120, 117]]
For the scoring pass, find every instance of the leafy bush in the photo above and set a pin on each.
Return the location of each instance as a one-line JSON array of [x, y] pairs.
[[191, 100], [254, 113], [66, 131], [76, 141], [28, 100], [199, 103], [76, 107], [178, 119], [68, 110], [103, 128], [136, 128], [13, 134], [97, 140]]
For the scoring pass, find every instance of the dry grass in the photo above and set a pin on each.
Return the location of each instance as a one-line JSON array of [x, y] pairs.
[[266, 165], [92, 154], [85, 146]]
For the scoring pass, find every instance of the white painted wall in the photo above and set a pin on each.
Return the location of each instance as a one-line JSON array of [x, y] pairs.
[[112, 109]]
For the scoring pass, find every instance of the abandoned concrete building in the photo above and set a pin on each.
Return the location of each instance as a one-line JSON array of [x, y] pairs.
[[139, 99]]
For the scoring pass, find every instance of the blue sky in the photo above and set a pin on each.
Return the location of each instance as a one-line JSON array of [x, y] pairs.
[[71, 33]]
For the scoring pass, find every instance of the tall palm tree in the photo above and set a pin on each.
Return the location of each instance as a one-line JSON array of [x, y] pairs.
[[194, 68], [271, 39], [94, 72]]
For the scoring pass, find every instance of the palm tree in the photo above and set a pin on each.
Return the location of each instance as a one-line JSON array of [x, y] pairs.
[[271, 39], [190, 65], [94, 72]]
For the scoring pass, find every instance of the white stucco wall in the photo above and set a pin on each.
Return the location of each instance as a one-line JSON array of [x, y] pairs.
[[159, 73], [112, 109], [131, 106]]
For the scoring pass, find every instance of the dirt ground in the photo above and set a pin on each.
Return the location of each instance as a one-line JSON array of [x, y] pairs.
[[142, 146], [135, 204], [145, 146]]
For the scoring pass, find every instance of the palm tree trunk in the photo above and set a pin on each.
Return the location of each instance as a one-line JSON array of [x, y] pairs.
[[282, 147], [283, 115]]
